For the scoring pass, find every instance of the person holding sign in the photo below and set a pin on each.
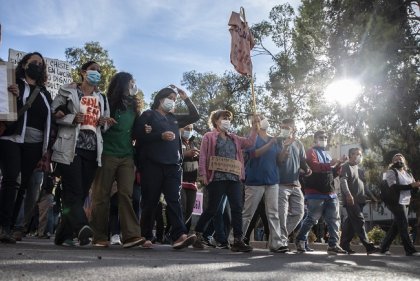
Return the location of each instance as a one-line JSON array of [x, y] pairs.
[[117, 165], [221, 166], [82, 113], [160, 159], [23, 142]]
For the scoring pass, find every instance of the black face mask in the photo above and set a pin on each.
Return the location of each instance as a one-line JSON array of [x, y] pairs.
[[398, 165], [34, 71]]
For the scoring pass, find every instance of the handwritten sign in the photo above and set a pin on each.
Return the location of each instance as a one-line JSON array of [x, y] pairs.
[[227, 165], [198, 206], [59, 72], [8, 110], [89, 106]]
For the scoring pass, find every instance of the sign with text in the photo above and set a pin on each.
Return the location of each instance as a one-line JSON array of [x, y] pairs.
[[59, 72], [198, 205], [223, 164], [89, 106], [8, 110]]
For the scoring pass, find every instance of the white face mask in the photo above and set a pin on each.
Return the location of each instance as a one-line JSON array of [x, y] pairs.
[[168, 105], [264, 124], [134, 90], [284, 133], [187, 134], [359, 159], [322, 143], [225, 125]]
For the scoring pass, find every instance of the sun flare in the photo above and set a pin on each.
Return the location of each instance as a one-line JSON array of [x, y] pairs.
[[343, 91]]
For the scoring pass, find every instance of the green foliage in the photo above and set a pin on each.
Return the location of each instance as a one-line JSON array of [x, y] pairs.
[[229, 91], [91, 51], [376, 235]]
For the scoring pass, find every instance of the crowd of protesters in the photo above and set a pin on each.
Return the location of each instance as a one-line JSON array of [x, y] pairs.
[[103, 147]]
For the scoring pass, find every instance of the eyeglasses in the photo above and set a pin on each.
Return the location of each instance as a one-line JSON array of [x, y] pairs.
[[323, 137]]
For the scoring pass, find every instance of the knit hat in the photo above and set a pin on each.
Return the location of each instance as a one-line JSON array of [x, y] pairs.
[[164, 93]]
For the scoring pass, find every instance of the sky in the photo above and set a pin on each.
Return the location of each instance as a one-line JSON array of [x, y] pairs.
[[155, 40]]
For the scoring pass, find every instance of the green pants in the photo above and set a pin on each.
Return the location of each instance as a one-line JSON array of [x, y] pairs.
[[120, 170]]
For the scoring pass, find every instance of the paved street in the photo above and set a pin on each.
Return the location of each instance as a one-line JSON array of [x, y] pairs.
[[35, 259]]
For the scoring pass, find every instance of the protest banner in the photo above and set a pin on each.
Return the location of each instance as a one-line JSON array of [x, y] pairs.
[[59, 72], [8, 109]]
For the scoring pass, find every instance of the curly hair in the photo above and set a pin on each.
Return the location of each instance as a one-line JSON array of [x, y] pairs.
[[20, 70], [215, 115]]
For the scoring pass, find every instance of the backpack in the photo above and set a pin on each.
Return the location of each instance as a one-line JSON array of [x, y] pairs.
[[387, 194]]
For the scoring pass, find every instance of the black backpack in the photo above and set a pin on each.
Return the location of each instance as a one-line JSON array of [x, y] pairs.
[[388, 195]]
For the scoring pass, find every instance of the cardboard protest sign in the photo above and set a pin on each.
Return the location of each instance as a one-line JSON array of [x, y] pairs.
[[8, 108], [241, 44], [89, 106], [59, 72], [227, 165]]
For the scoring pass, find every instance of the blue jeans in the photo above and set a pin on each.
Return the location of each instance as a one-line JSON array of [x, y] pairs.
[[216, 191], [329, 209]]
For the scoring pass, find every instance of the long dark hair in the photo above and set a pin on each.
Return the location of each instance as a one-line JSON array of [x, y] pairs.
[[20, 70], [118, 93]]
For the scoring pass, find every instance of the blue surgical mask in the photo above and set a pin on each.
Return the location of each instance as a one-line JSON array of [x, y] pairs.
[[187, 134], [93, 77]]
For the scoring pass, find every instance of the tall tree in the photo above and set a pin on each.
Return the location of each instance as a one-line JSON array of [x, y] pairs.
[[91, 51]]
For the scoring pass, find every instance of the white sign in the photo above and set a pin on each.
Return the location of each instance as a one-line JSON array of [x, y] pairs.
[[198, 206], [8, 110], [59, 72], [89, 106]]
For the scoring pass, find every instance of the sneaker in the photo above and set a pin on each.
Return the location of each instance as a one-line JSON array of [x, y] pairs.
[[300, 246], [372, 250], [101, 244], [335, 250], [210, 242], [115, 239], [282, 249], [239, 246], [84, 235], [199, 242], [45, 236], [17, 235], [307, 248], [415, 254], [184, 241], [6, 237], [147, 245], [68, 243], [133, 242], [223, 245]]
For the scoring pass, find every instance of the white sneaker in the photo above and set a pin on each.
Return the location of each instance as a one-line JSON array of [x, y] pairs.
[[115, 239]]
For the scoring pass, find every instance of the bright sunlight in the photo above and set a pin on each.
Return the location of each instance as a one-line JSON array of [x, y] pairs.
[[343, 91]]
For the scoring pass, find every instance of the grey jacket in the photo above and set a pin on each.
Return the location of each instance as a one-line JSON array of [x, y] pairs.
[[65, 145]]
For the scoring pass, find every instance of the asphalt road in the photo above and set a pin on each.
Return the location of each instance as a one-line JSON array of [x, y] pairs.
[[35, 259]]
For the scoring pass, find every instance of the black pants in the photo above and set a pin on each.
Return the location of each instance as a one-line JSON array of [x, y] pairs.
[[354, 224], [399, 225], [76, 180], [16, 159], [157, 179], [188, 202], [259, 213]]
